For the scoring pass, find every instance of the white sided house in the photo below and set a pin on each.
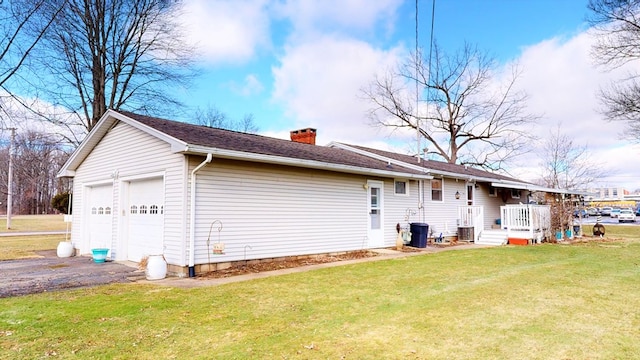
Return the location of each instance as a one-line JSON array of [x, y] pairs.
[[147, 186], [472, 204]]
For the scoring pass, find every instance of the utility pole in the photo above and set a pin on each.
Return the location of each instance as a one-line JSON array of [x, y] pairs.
[[10, 177]]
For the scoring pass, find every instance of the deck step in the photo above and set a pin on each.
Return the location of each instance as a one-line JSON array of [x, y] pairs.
[[492, 237]]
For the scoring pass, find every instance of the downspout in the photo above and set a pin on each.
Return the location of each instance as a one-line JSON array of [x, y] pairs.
[[192, 220]]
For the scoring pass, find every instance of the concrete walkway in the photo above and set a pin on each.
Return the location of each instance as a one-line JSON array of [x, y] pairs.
[[385, 254]]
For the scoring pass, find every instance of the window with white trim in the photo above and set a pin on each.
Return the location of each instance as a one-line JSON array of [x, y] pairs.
[[401, 187], [436, 189], [515, 193], [493, 192]]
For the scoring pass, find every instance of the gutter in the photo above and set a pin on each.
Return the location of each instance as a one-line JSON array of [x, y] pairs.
[[312, 164], [192, 215]]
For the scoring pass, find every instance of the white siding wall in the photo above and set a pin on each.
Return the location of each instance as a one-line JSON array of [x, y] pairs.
[[491, 205], [396, 207], [131, 153], [273, 211], [442, 216]]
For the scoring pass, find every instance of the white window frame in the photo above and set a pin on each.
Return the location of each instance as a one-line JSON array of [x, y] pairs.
[[406, 187], [515, 193], [441, 189]]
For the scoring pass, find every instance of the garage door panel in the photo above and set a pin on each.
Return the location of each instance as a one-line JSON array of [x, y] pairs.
[[146, 218], [100, 201]]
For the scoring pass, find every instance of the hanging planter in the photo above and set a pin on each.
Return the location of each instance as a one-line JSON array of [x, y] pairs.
[[218, 248]]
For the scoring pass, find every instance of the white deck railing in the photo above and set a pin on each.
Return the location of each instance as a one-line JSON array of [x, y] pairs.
[[532, 221], [471, 216]]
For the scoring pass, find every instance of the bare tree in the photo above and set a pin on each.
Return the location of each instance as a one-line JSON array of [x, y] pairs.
[[211, 116], [460, 112], [38, 156], [617, 26], [567, 165], [248, 125], [22, 25], [114, 54]]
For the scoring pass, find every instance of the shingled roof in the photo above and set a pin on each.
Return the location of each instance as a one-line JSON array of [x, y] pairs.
[[437, 167], [209, 137]]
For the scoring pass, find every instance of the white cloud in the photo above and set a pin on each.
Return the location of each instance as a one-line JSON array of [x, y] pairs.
[[227, 31], [251, 85], [330, 16], [319, 84], [563, 83]]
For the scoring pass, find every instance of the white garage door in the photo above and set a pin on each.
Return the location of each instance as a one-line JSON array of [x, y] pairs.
[[146, 218], [100, 216]]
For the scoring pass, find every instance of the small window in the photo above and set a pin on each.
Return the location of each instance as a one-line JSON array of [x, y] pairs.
[[515, 193], [100, 210], [161, 209], [401, 187], [493, 191], [436, 189], [153, 209], [143, 209], [134, 209], [94, 211], [107, 211]]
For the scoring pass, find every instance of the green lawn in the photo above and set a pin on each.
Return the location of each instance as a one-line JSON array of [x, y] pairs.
[[22, 223], [548, 301], [20, 247]]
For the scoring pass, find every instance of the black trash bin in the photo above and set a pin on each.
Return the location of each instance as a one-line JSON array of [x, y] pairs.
[[419, 233]]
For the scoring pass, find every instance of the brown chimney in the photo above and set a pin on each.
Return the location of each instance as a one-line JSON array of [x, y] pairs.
[[305, 136]]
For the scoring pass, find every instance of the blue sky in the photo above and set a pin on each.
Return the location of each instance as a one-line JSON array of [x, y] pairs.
[[303, 63], [238, 78]]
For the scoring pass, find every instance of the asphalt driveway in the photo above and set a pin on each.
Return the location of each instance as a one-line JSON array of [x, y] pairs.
[[51, 273]]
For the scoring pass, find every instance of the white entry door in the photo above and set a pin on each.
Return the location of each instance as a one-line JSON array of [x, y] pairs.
[[375, 207], [99, 216], [145, 225]]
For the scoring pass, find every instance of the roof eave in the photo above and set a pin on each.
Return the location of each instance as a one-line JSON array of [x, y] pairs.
[[532, 187], [449, 174], [311, 164], [103, 126]]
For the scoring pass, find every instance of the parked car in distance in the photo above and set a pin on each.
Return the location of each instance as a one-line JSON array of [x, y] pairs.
[[593, 211], [615, 212], [580, 213], [626, 215], [638, 211], [606, 211]]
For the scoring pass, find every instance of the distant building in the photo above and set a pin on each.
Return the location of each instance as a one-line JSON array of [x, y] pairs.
[[610, 196]]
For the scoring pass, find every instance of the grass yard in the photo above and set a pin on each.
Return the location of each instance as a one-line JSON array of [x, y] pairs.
[[578, 301], [20, 247], [26, 223]]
